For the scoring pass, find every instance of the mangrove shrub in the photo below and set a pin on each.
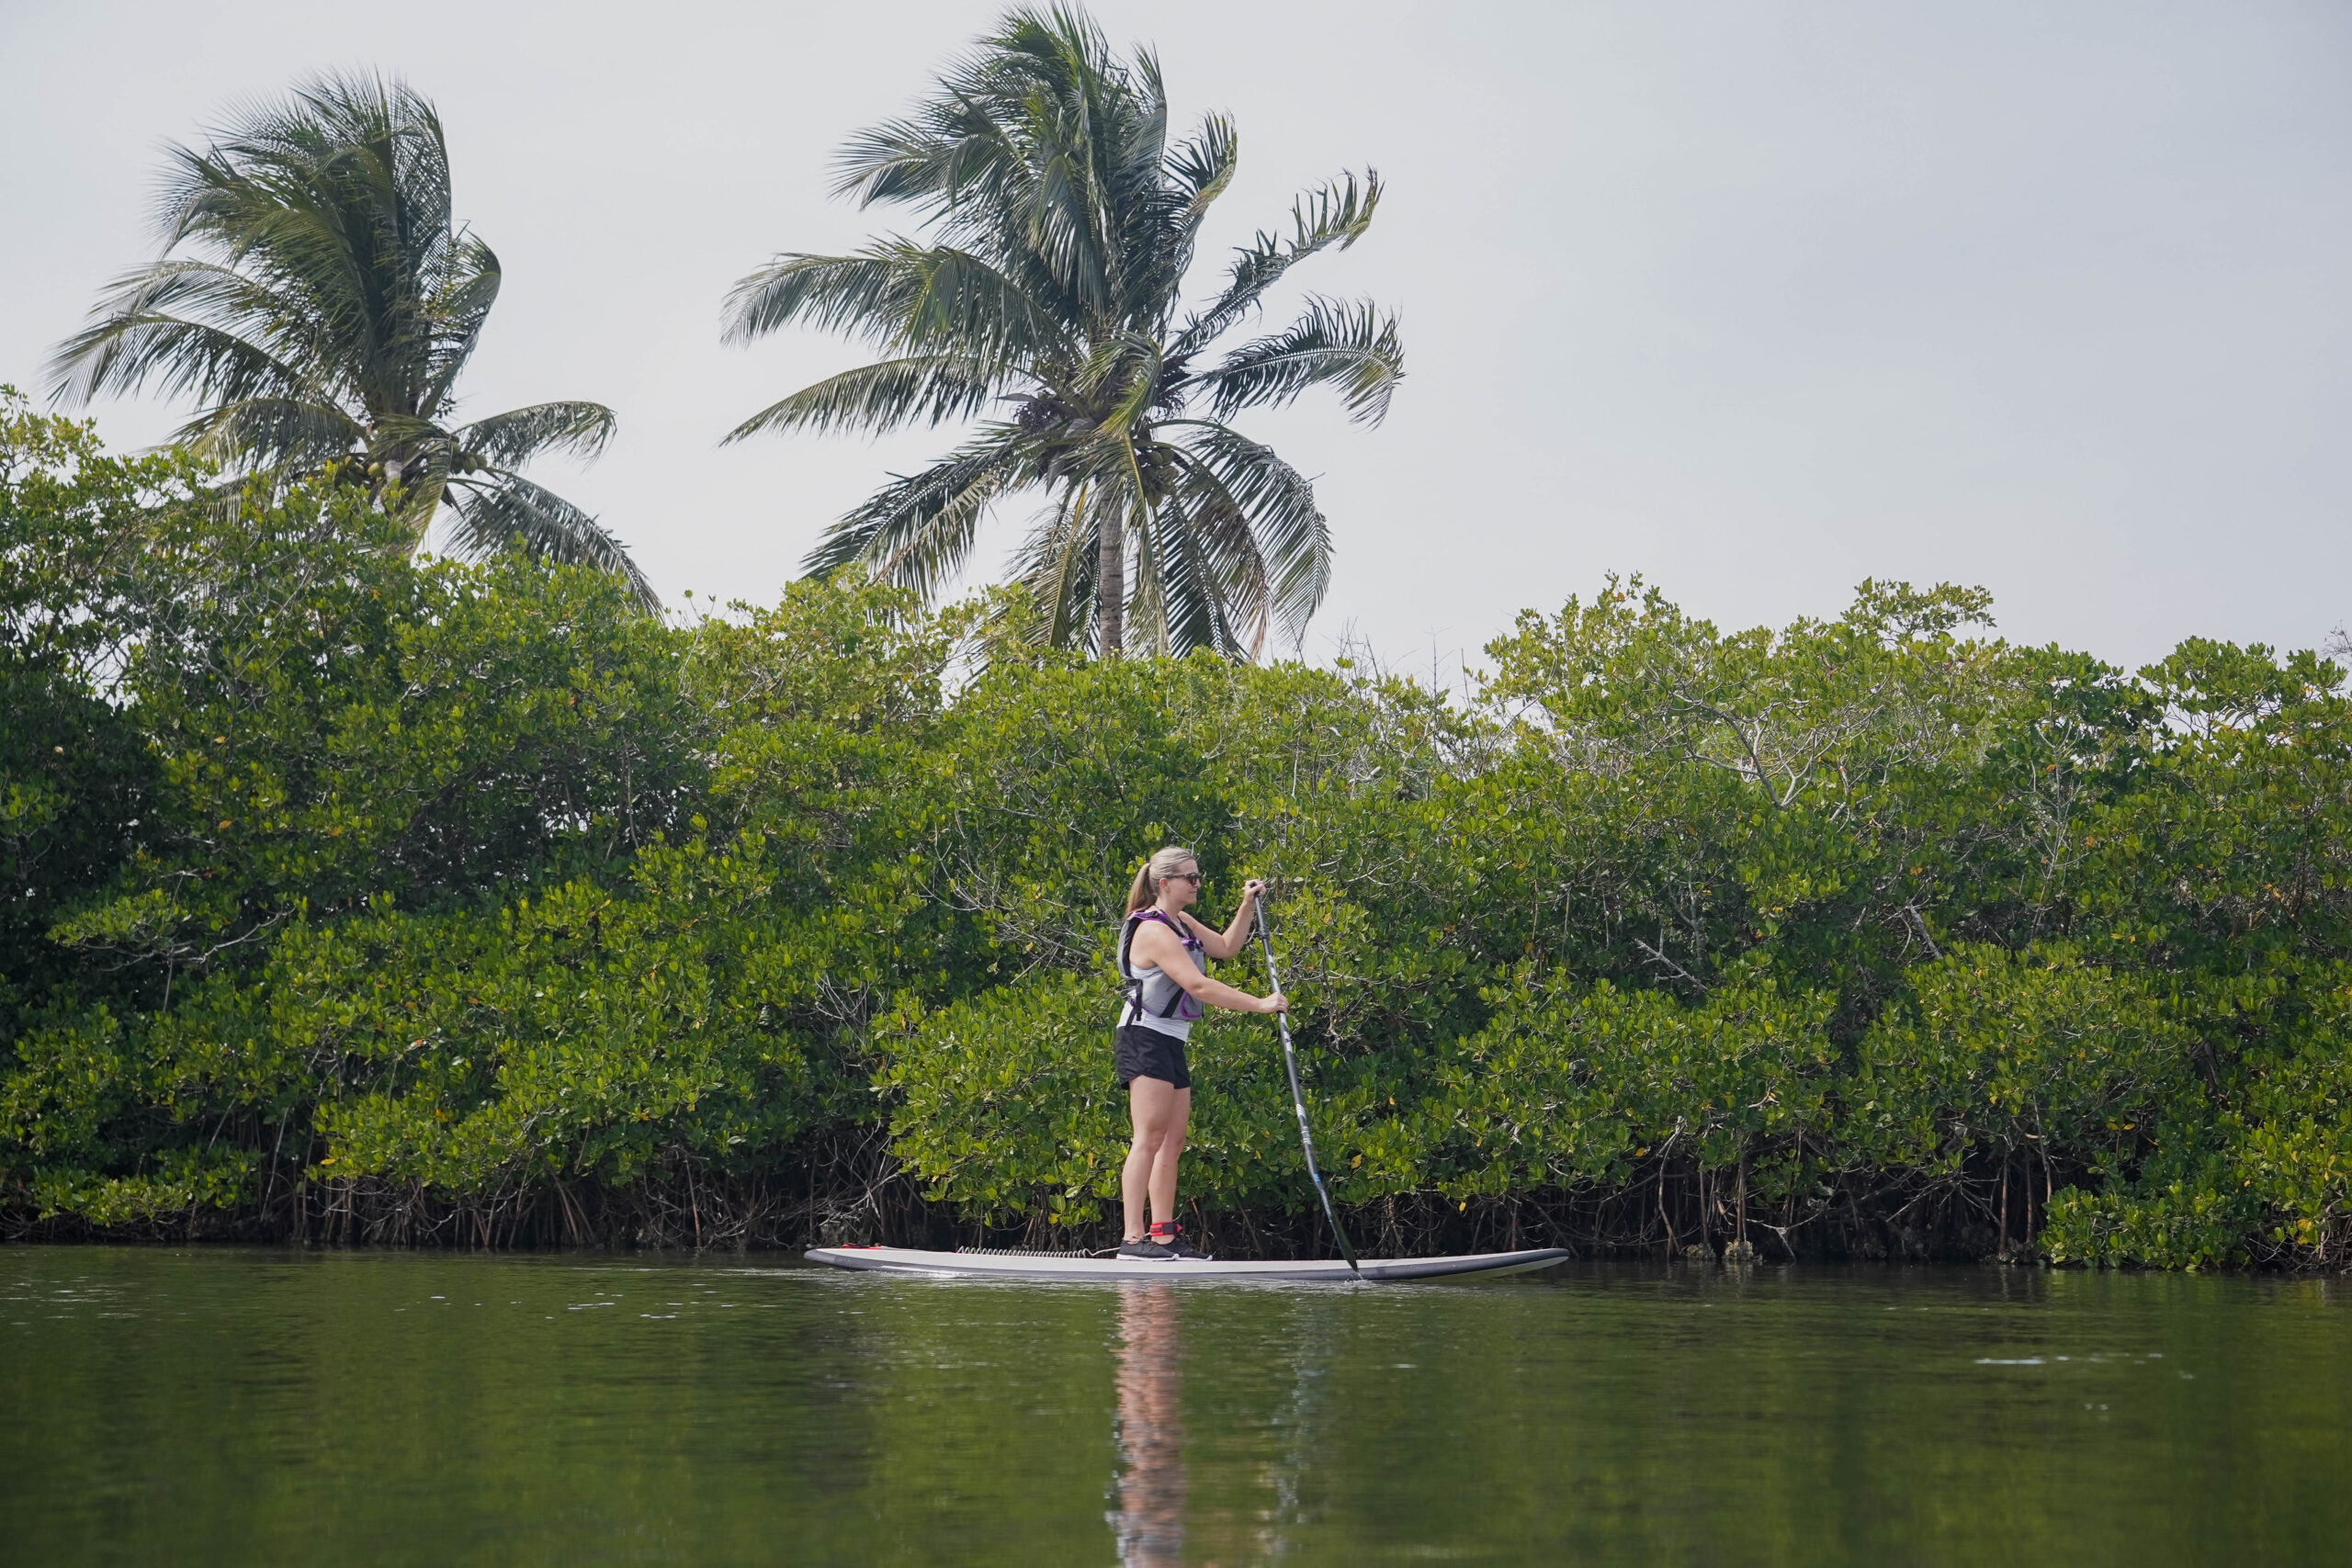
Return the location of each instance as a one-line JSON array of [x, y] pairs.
[[347, 893]]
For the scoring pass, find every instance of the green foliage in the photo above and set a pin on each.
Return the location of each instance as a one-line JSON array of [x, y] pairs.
[[2020, 1051], [333, 871], [1571, 1084], [73, 776], [582, 1033]]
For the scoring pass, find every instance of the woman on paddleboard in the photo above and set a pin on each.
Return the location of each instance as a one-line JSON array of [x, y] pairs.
[[1161, 950]]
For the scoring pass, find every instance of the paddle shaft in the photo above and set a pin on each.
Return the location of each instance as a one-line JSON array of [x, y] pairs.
[[1298, 1099]]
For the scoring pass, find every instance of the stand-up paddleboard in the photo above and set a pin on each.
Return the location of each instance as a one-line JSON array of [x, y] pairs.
[[1074, 1266]]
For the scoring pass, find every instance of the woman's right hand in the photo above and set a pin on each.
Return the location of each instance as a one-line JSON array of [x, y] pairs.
[[1275, 1003]]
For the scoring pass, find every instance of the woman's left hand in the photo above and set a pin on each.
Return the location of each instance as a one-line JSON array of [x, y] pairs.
[[1252, 891]]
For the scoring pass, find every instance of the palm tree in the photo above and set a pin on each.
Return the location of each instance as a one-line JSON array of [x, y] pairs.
[[1062, 226], [325, 319]]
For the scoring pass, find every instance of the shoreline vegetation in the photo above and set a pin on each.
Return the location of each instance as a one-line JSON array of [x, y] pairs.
[[351, 897]]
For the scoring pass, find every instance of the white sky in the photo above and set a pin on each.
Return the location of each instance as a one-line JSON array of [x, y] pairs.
[[1757, 298]]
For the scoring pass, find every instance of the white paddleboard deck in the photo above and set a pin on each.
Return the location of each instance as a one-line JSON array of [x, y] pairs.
[[1042, 1266]]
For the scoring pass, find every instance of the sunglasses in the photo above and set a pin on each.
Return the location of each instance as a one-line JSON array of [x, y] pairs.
[[1192, 876]]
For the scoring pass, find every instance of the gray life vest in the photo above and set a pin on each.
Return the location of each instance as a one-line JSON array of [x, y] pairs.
[[1155, 994]]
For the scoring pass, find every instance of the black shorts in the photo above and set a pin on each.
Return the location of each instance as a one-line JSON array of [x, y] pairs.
[[1148, 1053]]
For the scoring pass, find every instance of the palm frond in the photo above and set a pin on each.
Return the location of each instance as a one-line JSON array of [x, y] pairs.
[[196, 326], [917, 530], [496, 509], [402, 436], [465, 287], [956, 148], [1334, 343], [1042, 152], [1334, 214], [1208, 567], [1203, 166], [339, 200], [1288, 529], [415, 485], [1145, 621], [1058, 563], [290, 436], [1122, 377], [124, 352], [898, 295], [308, 302], [506, 440], [926, 388]]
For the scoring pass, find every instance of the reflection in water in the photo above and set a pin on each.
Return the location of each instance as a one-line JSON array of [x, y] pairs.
[[221, 1408], [1147, 1489]]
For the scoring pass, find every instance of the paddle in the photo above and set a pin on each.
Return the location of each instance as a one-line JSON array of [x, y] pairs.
[[1297, 1099]]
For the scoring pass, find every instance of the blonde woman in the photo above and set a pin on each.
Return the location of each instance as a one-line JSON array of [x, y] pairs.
[[1161, 958]]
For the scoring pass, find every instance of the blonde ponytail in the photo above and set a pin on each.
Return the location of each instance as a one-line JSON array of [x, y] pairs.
[[1157, 870]]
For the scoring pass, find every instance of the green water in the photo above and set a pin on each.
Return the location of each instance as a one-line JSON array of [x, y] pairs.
[[263, 1408]]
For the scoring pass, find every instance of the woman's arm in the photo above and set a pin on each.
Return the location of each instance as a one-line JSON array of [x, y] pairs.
[[1235, 938], [1155, 946]]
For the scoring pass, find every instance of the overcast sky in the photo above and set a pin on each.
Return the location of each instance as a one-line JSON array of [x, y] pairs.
[[1757, 299]]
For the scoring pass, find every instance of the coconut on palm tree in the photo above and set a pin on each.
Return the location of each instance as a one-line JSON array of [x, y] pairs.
[[1049, 294], [314, 293]]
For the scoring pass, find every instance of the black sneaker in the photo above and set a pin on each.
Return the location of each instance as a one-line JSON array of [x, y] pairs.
[[1172, 1241], [1145, 1249]]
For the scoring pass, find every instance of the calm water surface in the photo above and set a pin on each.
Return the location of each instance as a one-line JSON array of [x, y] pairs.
[[257, 1407]]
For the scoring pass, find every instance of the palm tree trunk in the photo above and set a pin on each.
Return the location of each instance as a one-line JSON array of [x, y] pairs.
[[1111, 582]]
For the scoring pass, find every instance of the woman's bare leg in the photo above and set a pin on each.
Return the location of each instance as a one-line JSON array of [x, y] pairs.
[[1153, 1103], [1171, 1146]]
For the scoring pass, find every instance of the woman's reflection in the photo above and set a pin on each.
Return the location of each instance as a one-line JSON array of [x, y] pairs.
[[1148, 1490]]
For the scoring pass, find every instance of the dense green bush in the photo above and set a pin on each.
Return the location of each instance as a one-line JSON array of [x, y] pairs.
[[344, 893]]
